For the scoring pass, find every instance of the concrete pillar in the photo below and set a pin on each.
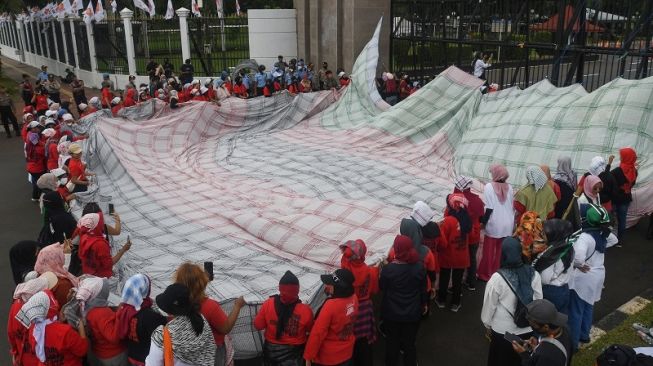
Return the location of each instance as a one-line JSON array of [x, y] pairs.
[[182, 13], [127, 16], [72, 36], [63, 38], [91, 46], [20, 28], [56, 42]]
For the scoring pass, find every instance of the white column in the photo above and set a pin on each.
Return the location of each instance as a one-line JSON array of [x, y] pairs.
[[127, 16], [91, 46], [72, 36], [20, 29], [182, 13], [56, 42], [63, 38]]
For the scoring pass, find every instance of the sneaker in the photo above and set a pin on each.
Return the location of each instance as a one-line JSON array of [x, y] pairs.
[[439, 304], [470, 287], [455, 308]]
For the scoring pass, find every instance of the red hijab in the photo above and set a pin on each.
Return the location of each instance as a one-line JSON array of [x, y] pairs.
[[404, 250], [353, 259], [628, 156]]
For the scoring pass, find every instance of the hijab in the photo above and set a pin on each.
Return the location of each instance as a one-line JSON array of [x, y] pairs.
[[22, 257], [56, 216], [405, 253], [515, 271], [40, 310], [422, 213], [462, 182], [48, 181], [135, 297], [353, 259], [93, 292], [536, 177], [597, 166], [26, 290], [627, 158], [456, 207], [530, 233], [285, 301], [51, 259], [565, 174], [588, 185], [499, 175]]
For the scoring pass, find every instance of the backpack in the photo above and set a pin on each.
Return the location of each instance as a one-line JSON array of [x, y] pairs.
[[622, 355], [519, 316]]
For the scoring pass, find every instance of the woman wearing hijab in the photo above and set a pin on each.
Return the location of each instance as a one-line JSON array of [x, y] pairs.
[[286, 322], [107, 347], [455, 229], [331, 341], [475, 209], [412, 226], [567, 182], [64, 345], [591, 194], [136, 318], [498, 220], [77, 169], [530, 235], [35, 156], [598, 167], [554, 265], [59, 224], [22, 257], [187, 338], [195, 279], [625, 176], [556, 188], [537, 195], [94, 249], [46, 183], [514, 281], [587, 278], [366, 285], [52, 259], [404, 301], [16, 332]]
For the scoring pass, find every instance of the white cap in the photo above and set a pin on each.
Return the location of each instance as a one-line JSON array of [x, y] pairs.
[[54, 106], [204, 89], [50, 113], [33, 124], [195, 82], [68, 117], [82, 107], [58, 172], [207, 82], [50, 121], [195, 92], [115, 100], [49, 132], [341, 74], [94, 100]]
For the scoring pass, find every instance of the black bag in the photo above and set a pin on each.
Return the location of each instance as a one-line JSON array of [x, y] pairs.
[[622, 355], [519, 317], [282, 354]]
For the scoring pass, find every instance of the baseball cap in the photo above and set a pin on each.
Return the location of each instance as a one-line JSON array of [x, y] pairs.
[[340, 278], [74, 149], [544, 312], [597, 215]]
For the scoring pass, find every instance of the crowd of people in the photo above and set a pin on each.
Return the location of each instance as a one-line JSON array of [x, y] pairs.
[[542, 257]]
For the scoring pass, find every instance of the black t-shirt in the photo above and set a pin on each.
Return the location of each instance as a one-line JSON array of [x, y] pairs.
[[140, 332], [548, 354]]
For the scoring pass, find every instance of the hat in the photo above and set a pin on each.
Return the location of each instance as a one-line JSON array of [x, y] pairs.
[[289, 278], [203, 90], [33, 124], [51, 278], [175, 299], [50, 113], [94, 100], [207, 82], [341, 74], [115, 100], [58, 172], [544, 312], [68, 117], [50, 121], [390, 76], [597, 215], [49, 132], [340, 278], [195, 82], [74, 148]]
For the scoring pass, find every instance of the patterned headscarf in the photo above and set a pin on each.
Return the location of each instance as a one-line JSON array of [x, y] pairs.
[[565, 173], [40, 310], [92, 292], [26, 290], [597, 166], [354, 250], [89, 222], [536, 177], [531, 235], [135, 296], [422, 213], [52, 259], [499, 175], [462, 182]]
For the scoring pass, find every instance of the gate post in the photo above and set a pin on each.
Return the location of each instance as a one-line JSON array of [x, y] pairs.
[[127, 16], [63, 38], [182, 13], [74, 39], [91, 46]]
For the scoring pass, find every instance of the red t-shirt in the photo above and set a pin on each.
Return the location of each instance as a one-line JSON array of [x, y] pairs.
[[216, 317], [229, 87], [130, 98], [102, 325], [36, 161], [63, 192], [19, 345], [332, 339], [240, 90], [41, 102], [455, 253], [107, 95], [76, 169], [95, 255], [344, 82], [299, 324], [63, 345], [53, 156], [292, 88], [266, 91], [210, 95], [115, 109]]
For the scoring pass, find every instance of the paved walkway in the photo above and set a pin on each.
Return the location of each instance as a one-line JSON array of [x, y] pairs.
[[446, 338]]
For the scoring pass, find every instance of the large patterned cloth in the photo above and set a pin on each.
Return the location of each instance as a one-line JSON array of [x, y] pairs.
[[267, 185]]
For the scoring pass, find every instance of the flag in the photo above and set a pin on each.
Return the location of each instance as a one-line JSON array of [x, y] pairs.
[[237, 8], [170, 11], [114, 6], [61, 10], [68, 9], [219, 6], [150, 5], [99, 11], [77, 5], [88, 13], [195, 8], [141, 5]]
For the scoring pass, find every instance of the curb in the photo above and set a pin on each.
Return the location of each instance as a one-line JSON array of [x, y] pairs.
[[615, 318]]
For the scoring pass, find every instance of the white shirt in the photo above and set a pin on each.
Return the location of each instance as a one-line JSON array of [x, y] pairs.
[[500, 302], [502, 219], [479, 67], [555, 274], [589, 285], [155, 358]]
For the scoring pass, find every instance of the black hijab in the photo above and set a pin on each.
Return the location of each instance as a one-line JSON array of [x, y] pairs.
[[61, 222], [22, 257]]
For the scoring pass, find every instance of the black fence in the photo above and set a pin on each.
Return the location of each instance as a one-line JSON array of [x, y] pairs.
[[58, 33], [48, 29], [81, 38], [216, 44], [110, 48], [69, 43], [158, 40], [565, 41]]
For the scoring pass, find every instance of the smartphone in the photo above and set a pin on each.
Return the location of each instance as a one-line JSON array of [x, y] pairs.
[[513, 338], [111, 209], [208, 268]]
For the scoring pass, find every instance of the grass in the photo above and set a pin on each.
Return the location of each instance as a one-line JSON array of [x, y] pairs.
[[8, 84], [623, 334]]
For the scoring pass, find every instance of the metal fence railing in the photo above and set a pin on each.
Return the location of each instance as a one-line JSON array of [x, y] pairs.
[[158, 40], [216, 44], [110, 48], [58, 33], [565, 41], [68, 31], [81, 38]]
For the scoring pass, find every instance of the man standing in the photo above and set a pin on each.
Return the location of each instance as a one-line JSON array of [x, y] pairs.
[[53, 88], [43, 75], [27, 90], [329, 82], [79, 94], [7, 111], [552, 347], [322, 76], [187, 70]]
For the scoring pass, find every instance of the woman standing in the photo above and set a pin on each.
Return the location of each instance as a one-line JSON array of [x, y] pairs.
[[567, 180], [475, 210], [498, 220], [514, 282], [52, 259], [286, 322], [94, 248], [195, 279], [35, 156], [187, 338], [77, 169], [58, 221], [625, 175], [537, 195]]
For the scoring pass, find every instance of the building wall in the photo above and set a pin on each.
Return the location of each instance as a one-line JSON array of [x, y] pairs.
[[337, 30], [272, 33]]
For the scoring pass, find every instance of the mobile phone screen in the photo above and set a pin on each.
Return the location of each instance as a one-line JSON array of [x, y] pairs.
[[512, 338], [111, 208]]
